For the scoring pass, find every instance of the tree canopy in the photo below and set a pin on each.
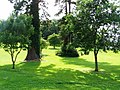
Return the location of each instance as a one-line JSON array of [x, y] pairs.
[[15, 33], [98, 24]]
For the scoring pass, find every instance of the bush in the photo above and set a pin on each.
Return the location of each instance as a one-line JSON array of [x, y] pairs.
[[43, 44], [68, 51], [54, 40]]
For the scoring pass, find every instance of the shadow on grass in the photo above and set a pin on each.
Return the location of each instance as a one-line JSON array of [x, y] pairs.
[[56, 48], [78, 61], [32, 76], [83, 62]]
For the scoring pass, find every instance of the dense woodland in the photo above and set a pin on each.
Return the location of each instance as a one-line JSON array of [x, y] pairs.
[[93, 25]]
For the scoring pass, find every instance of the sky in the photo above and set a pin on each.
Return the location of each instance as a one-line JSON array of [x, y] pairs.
[[52, 10], [6, 9]]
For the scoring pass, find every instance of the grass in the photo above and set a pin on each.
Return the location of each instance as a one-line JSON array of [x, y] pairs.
[[60, 73]]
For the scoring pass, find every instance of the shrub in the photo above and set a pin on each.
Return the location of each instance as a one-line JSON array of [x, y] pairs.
[[68, 51], [54, 40], [43, 44]]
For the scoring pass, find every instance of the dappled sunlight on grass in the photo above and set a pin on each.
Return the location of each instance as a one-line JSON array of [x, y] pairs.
[[61, 73], [49, 77], [78, 63]]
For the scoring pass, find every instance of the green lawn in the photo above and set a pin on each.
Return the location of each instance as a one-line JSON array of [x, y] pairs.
[[60, 73]]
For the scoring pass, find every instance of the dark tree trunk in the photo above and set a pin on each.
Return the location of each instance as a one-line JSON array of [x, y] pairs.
[[13, 65], [95, 48], [66, 12], [65, 43], [54, 46], [34, 52], [12, 57], [96, 62], [31, 55], [66, 40], [69, 2]]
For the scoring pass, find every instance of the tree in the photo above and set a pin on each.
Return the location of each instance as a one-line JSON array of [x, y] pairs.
[[94, 20], [43, 44], [66, 25], [54, 40], [53, 27], [34, 52], [64, 5], [31, 7], [49, 27], [14, 35]]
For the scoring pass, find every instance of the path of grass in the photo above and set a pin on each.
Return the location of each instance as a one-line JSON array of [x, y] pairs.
[[60, 73]]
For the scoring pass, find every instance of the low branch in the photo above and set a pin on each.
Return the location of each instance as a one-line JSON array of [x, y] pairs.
[[17, 54]]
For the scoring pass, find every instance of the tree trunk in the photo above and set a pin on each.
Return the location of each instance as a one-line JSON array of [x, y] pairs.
[[95, 48], [96, 62], [54, 46], [12, 57], [13, 65], [31, 55], [34, 52], [69, 2], [66, 12], [65, 41]]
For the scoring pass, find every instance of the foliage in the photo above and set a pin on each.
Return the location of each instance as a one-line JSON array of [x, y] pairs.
[[14, 35], [54, 40], [67, 34], [31, 7], [66, 25], [43, 44], [98, 22], [48, 27], [68, 51]]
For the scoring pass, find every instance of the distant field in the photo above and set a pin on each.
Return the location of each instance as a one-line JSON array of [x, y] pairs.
[[60, 73]]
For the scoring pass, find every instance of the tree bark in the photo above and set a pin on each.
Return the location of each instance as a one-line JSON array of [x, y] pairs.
[[34, 52], [13, 65], [31, 55], [12, 57], [95, 48], [69, 2], [54, 46], [96, 62], [66, 12]]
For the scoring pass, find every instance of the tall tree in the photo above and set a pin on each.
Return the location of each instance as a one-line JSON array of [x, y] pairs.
[[66, 33], [64, 5], [35, 45], [31, 7], [94, 20]]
